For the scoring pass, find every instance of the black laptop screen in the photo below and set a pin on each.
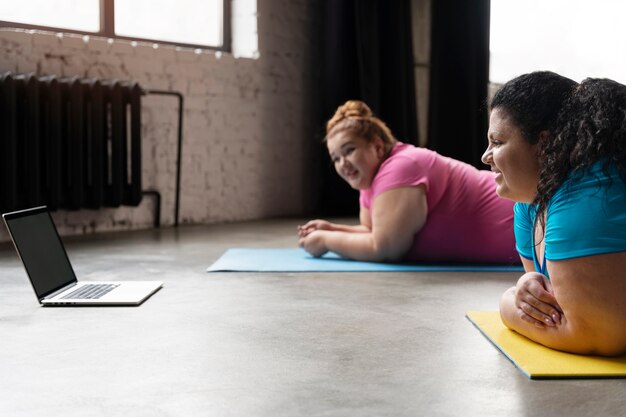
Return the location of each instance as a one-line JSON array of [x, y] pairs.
[[41, 250]]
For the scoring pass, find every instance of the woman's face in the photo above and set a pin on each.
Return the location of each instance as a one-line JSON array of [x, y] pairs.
[[356, 160], [512, 158]]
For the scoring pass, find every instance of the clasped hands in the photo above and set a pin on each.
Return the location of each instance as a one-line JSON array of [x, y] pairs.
[[535, 301], [312, 238]]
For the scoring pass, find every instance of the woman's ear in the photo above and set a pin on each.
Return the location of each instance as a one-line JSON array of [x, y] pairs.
[[544, 136], [379, 145]]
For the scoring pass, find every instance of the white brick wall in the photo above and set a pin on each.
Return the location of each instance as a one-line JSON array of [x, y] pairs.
[[248, 127]]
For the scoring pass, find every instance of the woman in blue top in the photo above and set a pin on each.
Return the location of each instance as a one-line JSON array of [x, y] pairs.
[[559, 150]]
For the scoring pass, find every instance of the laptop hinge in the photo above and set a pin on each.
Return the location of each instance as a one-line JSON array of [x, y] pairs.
[[60, 290]]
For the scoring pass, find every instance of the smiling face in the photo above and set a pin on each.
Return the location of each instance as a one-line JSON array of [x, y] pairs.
[[356, 160], [512, 158]]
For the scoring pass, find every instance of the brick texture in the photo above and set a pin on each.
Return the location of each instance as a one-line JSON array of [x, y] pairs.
[[248, 123]]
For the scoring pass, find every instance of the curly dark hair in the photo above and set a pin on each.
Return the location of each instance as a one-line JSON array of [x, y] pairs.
[[585, 122], [591, 128], [534, 102]]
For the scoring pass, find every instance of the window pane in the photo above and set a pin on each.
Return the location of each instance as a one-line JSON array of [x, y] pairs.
[[83, 15], [245, 41], [185, 21], [576, 38]]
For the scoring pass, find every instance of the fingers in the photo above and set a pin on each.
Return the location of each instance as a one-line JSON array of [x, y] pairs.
[[539, 310], [304, 245], [534, 316], [536, 302], [530, 319], [308, 227], [313, 244], [548, 287], [304, 230], [542, 299], [316, 224], [538, 290]]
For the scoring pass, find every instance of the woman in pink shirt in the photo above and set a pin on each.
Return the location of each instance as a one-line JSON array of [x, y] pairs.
[[416, 205]]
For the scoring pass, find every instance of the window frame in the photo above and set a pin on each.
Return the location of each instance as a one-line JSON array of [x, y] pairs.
[[107, 28]]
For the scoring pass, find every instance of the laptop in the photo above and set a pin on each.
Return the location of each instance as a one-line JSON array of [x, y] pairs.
[[40, 248]]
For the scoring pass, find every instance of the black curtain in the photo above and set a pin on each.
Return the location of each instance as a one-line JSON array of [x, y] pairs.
[[366, 53], [459, 78]]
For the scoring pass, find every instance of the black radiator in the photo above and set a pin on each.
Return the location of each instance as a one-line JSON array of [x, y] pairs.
[[69, 143]]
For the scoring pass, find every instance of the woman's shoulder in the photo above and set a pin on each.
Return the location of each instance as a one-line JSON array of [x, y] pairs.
[[596, 182], [407, 165], [409, 150], [408, 156], [587, 215]]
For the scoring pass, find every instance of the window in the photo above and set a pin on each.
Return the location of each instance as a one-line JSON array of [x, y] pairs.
[[245, 43], [76, 15], [193, 23], [575, 38]]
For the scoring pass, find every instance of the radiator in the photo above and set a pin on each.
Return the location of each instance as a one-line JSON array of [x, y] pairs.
[[69, 143]]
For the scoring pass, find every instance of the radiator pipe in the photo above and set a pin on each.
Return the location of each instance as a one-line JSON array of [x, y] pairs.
[[157, 206], [179, 146]]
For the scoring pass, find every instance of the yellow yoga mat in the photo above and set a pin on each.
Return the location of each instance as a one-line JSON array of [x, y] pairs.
[[540, 362]]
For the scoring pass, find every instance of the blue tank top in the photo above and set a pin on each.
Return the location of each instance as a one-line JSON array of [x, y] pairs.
[[585, 217]]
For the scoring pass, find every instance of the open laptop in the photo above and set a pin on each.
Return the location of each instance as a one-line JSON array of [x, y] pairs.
[[40, 248]]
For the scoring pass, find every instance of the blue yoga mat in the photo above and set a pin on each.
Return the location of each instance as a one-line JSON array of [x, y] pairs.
[[298, 260]]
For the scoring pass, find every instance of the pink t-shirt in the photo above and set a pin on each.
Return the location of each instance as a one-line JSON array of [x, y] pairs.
[[466, 222]]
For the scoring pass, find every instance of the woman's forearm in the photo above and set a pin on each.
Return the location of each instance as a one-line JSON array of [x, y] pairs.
[[360, 247], [565, 336], [555, 337], [398, 214], [351, 228]]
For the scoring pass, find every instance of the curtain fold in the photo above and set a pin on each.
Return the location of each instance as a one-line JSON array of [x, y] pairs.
[[459, 77], [366, 53]]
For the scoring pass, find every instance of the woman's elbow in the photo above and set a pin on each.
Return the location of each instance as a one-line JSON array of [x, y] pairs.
[[577, 337], [610, 350], [590, 332], [605, 344], [389, 253]]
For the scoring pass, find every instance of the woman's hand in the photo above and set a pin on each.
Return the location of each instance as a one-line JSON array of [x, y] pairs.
[[305, 229], [314, 243], [535, 301]]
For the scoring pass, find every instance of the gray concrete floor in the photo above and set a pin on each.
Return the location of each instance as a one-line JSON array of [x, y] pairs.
[[265, 344]]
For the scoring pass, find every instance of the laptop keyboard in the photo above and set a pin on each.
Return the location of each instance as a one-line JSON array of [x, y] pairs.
[[91, 291]]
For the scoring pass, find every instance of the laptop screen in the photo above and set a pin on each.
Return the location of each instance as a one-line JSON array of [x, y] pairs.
[[41, 250]]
